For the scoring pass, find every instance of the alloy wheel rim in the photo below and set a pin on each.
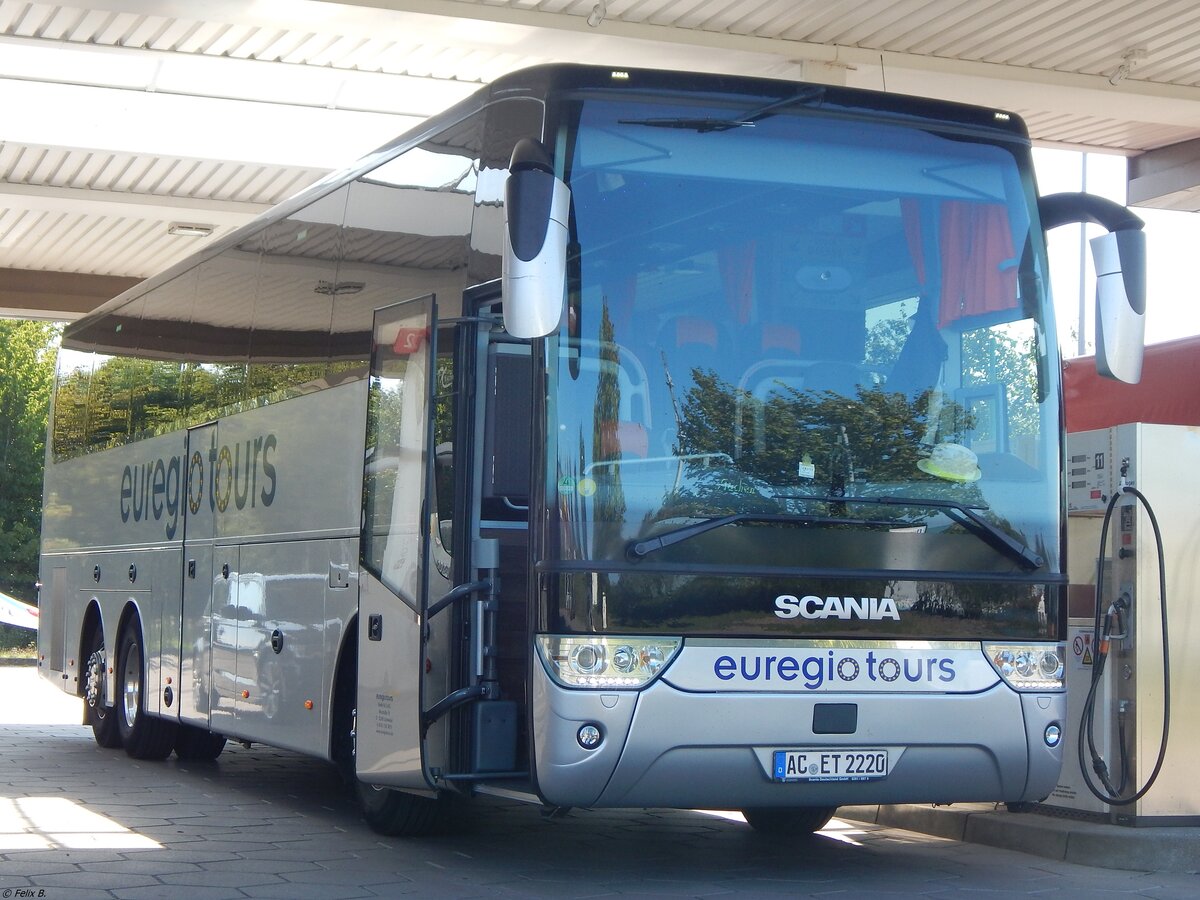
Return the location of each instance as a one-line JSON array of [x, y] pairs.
[[132, 678]]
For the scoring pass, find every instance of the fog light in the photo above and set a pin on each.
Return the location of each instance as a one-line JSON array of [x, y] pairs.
[[588, 737], [1053, 735]]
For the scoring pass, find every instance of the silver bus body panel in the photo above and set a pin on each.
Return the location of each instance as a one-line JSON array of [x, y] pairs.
[[1045, 763], [568, 775], [673, 748], [275, 495]]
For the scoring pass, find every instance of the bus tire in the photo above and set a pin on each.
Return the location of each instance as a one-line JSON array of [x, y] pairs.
[[387, 811], [796, 821], [102, 719], [197, 744], [144, 736], [400, 814]]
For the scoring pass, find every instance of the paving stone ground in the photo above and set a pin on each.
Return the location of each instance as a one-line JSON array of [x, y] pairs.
[[79, 821]]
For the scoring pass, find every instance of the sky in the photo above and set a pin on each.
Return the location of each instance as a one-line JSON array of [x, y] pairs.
[[1172, 240]]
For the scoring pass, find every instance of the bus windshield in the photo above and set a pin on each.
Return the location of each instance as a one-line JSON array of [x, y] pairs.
[[801, 338]]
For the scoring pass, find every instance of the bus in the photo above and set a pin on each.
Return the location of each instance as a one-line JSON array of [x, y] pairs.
[[614, 439]]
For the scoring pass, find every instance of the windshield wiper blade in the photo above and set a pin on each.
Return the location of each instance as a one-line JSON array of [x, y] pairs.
[[964, 514], [706, 124], [641, 549]]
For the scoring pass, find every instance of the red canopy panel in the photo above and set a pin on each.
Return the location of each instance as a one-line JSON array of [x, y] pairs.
[[1168, 394]]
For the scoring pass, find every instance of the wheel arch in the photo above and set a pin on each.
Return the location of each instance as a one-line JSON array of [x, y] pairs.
[[93, 619], [345, 670], [130, 612]]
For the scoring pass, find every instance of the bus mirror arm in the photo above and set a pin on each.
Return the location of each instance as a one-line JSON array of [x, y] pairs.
[[1120, 258], [534, 262]]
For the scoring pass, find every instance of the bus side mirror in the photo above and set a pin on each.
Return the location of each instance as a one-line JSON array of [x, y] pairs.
[[534, 273], [1120, 258]]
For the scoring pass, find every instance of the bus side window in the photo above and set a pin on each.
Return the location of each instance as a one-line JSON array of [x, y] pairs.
[[506, 450]]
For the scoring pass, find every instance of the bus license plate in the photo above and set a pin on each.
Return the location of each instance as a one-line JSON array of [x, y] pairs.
[[830, 765]]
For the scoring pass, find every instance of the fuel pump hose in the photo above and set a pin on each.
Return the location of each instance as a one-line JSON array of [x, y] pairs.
[[1107, 791]]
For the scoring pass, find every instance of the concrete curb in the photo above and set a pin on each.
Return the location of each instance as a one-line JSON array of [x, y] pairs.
[[17, 661], [1150, 849]]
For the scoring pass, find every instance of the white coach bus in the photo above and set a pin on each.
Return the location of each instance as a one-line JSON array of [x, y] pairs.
[[615, 439]]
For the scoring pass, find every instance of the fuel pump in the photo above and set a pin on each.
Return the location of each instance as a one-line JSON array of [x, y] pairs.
[[1112, 626], [1133, 634]]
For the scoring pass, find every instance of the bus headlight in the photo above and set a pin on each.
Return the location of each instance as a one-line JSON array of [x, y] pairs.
[[592, 661], [1027, 667], [588, 659]]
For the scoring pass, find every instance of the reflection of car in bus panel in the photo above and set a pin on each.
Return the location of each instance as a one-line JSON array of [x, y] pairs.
[[619, 439]]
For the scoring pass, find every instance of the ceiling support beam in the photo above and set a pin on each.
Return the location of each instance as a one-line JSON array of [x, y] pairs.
[[121, 204], [58, 296], [159, 124], [1167, 178], [202, 75]]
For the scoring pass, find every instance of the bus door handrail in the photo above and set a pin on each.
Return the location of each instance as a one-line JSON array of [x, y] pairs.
[[487, 685], [460, 592]]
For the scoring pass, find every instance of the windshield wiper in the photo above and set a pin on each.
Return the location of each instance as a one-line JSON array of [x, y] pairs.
[[962, 513], [707, 124], [641, 549]]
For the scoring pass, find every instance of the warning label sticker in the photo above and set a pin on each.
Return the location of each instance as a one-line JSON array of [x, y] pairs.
[[1081, 647]]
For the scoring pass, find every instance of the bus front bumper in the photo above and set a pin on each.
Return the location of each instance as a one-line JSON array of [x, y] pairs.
[[664, 747]]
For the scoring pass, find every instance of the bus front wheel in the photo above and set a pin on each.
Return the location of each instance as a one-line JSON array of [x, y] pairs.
[[198, 744], [103, 719], [799, 820], [397, 813], [144, 736]]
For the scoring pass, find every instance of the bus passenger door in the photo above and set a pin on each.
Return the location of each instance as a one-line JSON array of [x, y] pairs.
[[394, 586]]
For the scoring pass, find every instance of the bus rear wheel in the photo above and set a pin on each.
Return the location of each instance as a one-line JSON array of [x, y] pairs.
[[102, 719], [144, 736], [798, 820], [400, 814]]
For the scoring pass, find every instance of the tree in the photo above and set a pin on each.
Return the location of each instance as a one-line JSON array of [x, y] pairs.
[[26, 380]]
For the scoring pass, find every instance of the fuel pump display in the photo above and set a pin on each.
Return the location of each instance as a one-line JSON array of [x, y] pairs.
[[1135, 635]]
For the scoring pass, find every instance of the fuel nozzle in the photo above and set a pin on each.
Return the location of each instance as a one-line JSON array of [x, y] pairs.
[[1116, 626]]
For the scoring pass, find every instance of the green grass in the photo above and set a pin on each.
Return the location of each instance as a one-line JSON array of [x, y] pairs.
[[17, 643]]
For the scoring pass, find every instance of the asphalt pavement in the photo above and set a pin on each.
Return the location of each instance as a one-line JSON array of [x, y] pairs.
[[77, 820]]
